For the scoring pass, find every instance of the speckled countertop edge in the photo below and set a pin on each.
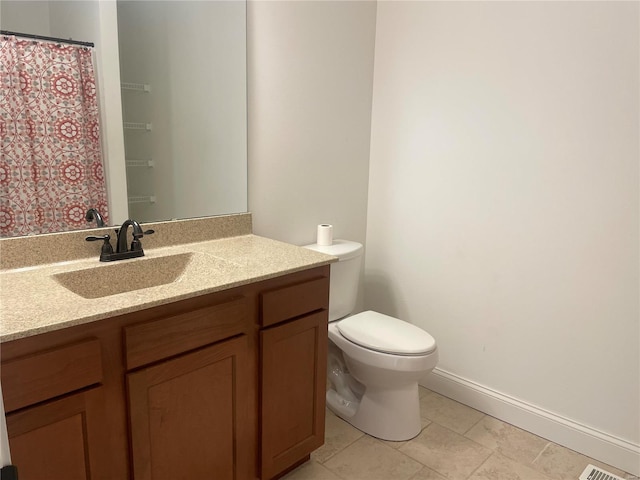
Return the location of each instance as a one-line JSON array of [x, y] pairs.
[[34, 302]]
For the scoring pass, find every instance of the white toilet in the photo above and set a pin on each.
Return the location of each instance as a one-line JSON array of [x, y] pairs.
[[375, 361]]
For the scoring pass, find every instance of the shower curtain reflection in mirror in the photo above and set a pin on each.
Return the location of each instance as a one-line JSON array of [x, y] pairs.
[[51, 168]]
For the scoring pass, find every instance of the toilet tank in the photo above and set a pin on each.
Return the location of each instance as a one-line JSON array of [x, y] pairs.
[[345, 276]]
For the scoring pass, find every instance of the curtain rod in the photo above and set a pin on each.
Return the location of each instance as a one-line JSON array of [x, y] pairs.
[[50, 39]]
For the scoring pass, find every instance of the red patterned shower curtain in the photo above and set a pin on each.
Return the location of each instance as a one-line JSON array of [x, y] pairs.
[[51, 168]]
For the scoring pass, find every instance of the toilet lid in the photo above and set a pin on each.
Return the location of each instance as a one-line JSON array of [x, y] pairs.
[[382, 333]]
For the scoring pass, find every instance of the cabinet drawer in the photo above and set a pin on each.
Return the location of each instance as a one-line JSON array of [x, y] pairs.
[[294, 300], [48, 374], [158, 339]]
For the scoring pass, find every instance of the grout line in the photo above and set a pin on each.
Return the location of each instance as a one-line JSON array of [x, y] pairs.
[[416, 474], [493, 452], [469, 429], [541, 452], [333, 472], [362, 434], [424, 467]]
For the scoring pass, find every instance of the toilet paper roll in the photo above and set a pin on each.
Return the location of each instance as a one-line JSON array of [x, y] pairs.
[[325, 234]]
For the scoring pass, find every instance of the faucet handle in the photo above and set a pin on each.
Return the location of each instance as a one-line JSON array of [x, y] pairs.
[[136, 244], [137, 235], [140, 235], [94, 238], [106, 249]]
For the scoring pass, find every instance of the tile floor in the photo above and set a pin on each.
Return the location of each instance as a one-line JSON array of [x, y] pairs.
[[456, 443]]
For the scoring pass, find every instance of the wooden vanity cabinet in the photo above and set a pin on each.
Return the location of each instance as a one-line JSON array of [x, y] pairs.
[[62, 439], [188, 415], [57, 425], [228, 385], [293, 373], [189, 405]]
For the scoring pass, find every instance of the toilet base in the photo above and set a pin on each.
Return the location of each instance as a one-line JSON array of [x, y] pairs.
[[387, 414]]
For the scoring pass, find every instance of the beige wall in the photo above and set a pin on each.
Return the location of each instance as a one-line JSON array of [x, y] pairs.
[[503, 207], [30, 17], [310, 67]]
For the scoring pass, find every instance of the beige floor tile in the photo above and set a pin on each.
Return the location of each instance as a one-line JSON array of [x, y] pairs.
[[311, 471], [510, 441], [370, 459], [560, 463], [397, 445], [499, 467], [448, 413], [446, 452], [489, 450], [427, 474], [338, 435], [392, 444]]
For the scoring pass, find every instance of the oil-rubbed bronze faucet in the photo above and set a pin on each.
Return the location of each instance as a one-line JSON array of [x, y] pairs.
[[121, 244], [122, 250]]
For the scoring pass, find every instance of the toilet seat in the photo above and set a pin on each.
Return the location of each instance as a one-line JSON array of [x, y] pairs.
[[381, 360], [382, 333]]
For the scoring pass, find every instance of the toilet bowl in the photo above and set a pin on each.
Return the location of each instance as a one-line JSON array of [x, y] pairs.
[[375, 361], [385, 400]]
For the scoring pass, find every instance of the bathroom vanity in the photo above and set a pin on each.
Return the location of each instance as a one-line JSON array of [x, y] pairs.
[[219, 373]]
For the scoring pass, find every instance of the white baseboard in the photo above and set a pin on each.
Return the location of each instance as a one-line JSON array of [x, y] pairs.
[[581, 438]]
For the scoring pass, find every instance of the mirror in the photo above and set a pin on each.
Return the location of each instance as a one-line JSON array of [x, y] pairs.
[[183, 71], [179, 147]]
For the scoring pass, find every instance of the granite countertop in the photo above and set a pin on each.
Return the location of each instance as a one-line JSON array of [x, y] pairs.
[[34, 302]]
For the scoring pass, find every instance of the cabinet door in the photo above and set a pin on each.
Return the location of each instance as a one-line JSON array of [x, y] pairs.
[[293, 380], [189, 415], [62, 439]]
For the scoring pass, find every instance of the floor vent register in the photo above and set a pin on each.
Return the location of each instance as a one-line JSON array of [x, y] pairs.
[[595, 473]]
